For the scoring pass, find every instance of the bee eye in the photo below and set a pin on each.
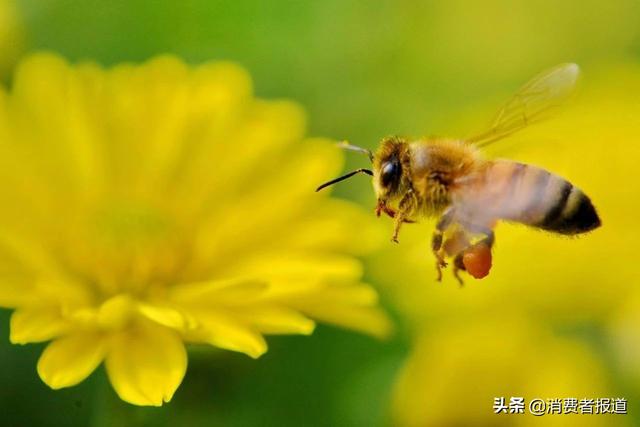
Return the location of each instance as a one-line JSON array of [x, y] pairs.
[[390, 173]]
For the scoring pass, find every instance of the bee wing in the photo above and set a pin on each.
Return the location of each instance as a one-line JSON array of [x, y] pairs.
[[475, 209], [532, 103]]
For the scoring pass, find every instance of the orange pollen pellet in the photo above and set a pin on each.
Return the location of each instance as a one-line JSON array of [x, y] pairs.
[[477, 260]]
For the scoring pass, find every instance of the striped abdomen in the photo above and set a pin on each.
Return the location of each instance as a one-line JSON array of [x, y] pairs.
[[531, 195]]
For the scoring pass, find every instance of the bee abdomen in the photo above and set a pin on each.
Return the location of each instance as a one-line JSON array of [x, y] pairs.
[[571, 211], [529, 195]]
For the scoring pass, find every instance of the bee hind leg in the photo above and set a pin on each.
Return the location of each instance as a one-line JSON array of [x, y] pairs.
[[436, 247], [479, 262], [436, 242], [458, 265], [488, 240]]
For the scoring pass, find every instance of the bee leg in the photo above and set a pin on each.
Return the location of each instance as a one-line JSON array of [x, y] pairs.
[[397, 223], [404, 209], [489, 238], [436, 246], [436, 241], [479, 268], [458, 266], [438, 272], [391, 212]]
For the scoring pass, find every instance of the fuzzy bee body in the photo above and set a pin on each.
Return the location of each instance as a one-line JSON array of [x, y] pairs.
[[450, 179], [443, 173]]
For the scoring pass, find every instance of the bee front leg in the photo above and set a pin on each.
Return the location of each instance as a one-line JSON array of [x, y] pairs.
[[397, 223], [405, 208]]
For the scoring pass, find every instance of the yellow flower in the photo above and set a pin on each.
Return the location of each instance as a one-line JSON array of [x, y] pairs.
[[149, 206], [455, 373]]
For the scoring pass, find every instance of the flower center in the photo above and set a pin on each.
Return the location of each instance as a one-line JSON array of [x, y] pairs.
[[127, 247], [131, 223]]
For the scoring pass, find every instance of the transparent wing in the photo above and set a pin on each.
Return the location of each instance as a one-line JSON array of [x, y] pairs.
[[532, 103]]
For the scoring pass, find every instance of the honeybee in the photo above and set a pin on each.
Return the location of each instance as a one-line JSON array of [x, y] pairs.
[[449, 178]]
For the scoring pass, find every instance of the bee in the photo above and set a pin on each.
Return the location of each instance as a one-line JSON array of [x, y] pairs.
[[449, 179]]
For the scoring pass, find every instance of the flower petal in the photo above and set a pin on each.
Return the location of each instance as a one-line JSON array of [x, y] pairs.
[[36, 324], [294, 266], [218, 291], [167, 316], [350, 306], [329, 226], [370, 320], [225, 332], [279, 320], [14, 293], [69, 360], [146, 364]]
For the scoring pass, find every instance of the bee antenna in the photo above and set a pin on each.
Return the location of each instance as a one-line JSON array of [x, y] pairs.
[[343, 177], [345, 145]]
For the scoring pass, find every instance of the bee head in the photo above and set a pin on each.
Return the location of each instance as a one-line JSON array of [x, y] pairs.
[[390, 166], [390, 172]]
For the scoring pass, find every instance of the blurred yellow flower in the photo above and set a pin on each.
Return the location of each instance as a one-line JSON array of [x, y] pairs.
[[624, 330], [149, 206], [455, 373]]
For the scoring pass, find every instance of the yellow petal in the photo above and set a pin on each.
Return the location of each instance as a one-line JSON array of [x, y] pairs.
[[160, 97], [39, 85], [218, 291], [370, 320], [350, 306], [146, 364], [225, 332], [15, 293], [300, 173], [219, 91], [330, 226], [27, 255], [167, 316], [36, 324], [279, 320], [356, 295], [69, 360], [283, 265]]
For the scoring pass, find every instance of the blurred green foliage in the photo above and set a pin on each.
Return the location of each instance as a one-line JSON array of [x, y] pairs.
[[363, 70]]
